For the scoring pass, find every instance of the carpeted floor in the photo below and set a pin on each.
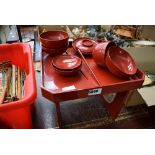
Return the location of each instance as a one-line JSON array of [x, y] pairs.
[[105, 121]]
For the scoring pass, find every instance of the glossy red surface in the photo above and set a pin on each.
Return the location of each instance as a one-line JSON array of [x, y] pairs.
[[66, 62], [85, 45], [120, 63], [54, 52], [57, 84], [71, 51], [56, 46], [68, 72], [54, 39], [54, 84], [100, 50], [57, 88]]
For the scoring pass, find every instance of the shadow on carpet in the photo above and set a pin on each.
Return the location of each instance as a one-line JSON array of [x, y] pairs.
[[90, 113]]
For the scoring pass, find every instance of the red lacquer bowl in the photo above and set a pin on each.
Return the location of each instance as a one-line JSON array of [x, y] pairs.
[[120, 63], [68, 72], [54, 52], [66, 62], [100, 50], [54, 39], [85, 45]]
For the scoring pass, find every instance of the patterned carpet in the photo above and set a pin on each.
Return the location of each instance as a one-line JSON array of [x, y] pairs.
[[129, 114]]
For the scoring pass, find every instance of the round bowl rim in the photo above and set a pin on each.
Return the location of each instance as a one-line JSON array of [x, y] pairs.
[[83, 38], [54, 40], [113, 63], [55, 66]]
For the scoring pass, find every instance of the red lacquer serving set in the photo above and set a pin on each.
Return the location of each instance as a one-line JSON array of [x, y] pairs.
[[85, 68]]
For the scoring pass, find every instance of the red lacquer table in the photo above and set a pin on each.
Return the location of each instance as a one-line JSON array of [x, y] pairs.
[[91, 80]]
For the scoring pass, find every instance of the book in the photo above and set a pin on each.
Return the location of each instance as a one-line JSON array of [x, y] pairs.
[[18, 84], [2, 95], [3, 86], [13, 81]]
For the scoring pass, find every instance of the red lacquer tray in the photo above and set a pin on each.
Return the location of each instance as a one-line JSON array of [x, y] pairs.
[[92, 80], [61, 88]]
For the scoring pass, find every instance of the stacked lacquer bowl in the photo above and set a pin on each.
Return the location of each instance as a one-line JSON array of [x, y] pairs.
[[56, 43], [67, 65]]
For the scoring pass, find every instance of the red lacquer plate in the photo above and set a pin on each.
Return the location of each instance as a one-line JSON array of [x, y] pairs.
[[66, 62], [85, 45], [68, 72]]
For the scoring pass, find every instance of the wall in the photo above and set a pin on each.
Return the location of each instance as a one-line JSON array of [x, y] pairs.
[[148, 31], [8, 33], [144, 57], [2, 35]]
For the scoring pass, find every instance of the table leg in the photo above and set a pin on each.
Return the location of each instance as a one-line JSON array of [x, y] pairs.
[[116, 105], [58, 112]]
